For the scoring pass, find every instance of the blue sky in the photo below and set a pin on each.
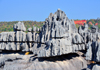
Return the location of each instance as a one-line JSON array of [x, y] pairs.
[[39, 10]]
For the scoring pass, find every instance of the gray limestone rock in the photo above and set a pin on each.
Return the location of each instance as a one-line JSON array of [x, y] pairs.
[[3, 46], [34, 28], [7, 36], [56, 37], [98, 53], [4, 36], [29, 29], [24, 47], [29, 36], [77, 63], [10, 46], [89, 51], [19, 26], [96, 67], [37, 29], [20, 36]]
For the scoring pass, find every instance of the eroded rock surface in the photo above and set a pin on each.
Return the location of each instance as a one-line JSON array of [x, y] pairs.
[[30, 62], [58, 36]]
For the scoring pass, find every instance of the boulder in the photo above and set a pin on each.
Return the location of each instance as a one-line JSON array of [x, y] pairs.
[[19, 27]]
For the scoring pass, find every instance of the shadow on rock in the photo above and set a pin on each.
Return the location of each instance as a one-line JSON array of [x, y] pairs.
[[59, 58]]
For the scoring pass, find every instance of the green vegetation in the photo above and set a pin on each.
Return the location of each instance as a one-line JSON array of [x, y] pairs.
[[8, 26], [93, 22], [77, 25]]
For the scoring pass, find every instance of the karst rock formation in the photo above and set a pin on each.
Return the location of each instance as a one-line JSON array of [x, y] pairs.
[[58, 36]]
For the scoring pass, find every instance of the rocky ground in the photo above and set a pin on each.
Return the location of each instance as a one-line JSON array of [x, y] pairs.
[[20, 61], [16, 61]]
